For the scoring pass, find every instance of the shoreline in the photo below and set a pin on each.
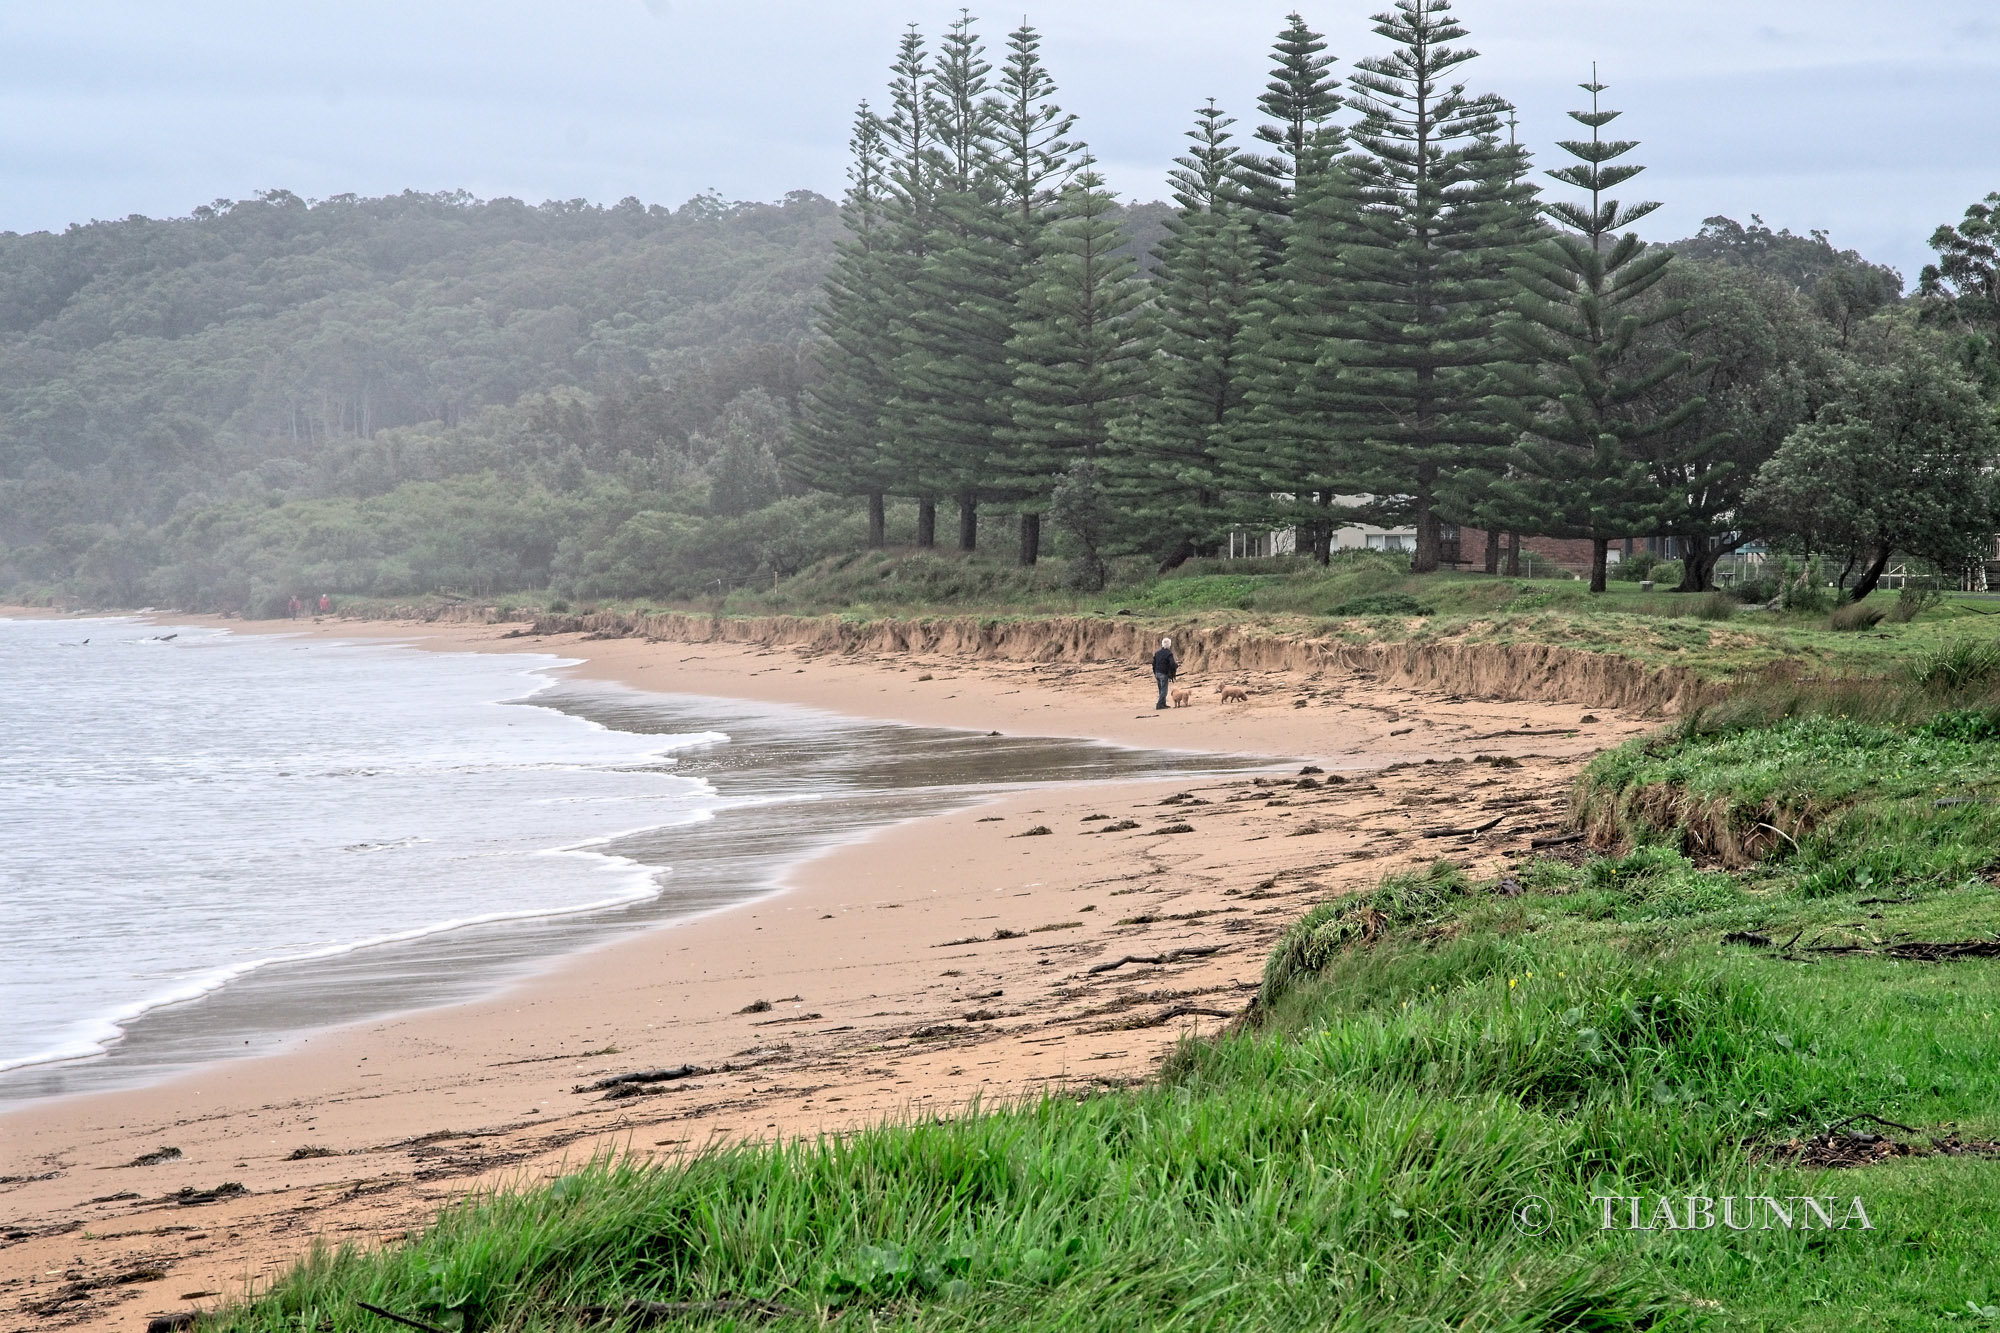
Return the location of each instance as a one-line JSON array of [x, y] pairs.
[[957, 965]]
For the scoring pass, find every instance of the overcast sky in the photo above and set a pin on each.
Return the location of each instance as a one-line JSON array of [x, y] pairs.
[[1873, 119]]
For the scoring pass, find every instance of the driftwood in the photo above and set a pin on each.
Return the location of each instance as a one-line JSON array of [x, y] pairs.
[[173, 1323], [644, 1076], [1559, 840], [1462, 832], [1171, 956]]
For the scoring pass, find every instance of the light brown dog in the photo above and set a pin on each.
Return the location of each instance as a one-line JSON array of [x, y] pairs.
[[1179, 697], [1233, 694]]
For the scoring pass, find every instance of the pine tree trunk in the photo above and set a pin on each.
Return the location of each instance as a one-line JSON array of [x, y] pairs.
[[1031, 540], [1323, 530], [968, 521], [1869, 576], [1697, 566], [1599, 548], [926, 523], [878, 522], [1493, 551], [1513, 555], [1430, 542]]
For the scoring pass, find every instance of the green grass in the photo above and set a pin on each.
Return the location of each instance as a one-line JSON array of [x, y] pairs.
[[1422, 1059]]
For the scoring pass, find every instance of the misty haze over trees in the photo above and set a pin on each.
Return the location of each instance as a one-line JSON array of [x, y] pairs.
[[429, 392]]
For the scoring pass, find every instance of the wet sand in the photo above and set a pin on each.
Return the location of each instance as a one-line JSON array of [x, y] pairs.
[[939, 960]]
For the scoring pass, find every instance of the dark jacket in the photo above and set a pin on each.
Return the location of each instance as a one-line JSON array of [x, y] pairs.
[[1164, 664]]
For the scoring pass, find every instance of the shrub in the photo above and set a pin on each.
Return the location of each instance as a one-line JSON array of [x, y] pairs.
[[1640, 566], [1955, 666], [1913, 601], [1856, 616], [1383, 604], [1714, 606]]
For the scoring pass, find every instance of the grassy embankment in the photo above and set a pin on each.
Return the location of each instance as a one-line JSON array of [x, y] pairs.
[[1361, 598], [1675, 1017]]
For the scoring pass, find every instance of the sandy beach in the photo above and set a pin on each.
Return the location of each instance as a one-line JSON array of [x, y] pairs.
[[1059, 939]]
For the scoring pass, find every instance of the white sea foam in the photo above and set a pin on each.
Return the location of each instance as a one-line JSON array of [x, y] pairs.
[[182, 811]]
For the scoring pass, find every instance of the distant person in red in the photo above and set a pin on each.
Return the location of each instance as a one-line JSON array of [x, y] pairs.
[[295, 606], [325, 604]]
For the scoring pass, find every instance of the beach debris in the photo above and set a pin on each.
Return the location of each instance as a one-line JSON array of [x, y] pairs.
[[1091, 819], [308, 1153], [175, 1322], [644, 1076], [1157, 959], [120, 1197], [26, 1180], [1038, 831], [1586, 719], [795, 1018], [1310, 769], [983, 1015], [1171, 828], [1119, 827], [1054, 925], [187, 1196], [934, 1030], [155, 1157], [990, 819], [759, 1006], [1463, 832], [1304, 829], [1402, 731], [1560, 840], [1005, 934], [926, 676]]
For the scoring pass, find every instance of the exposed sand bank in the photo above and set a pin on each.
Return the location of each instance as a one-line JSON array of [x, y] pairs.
[[878, 1004]]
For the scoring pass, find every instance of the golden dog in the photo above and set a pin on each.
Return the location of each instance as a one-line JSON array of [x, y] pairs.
[[1233, 694]]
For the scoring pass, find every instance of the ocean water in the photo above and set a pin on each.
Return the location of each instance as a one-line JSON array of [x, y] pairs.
[[212, 842]]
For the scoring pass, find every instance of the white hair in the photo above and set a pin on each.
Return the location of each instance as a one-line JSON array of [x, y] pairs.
[[1166, 643]]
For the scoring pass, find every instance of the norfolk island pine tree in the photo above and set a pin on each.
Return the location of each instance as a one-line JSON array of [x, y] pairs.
[[1164, 466], [952, 375], [1440, 219], [1584, 398], [1079, 353], [1301, 99], [909, 208], [839, 429], [1034, 157]]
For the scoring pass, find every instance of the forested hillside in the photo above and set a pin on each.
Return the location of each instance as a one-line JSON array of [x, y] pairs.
[[382, 395]]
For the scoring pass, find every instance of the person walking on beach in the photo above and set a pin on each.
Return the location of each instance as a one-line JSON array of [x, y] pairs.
[[325, 604], [1165, 668]]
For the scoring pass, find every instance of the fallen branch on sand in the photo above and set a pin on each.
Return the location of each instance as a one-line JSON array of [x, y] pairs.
[[1171, 956], [1462, 832], [644, 1076]]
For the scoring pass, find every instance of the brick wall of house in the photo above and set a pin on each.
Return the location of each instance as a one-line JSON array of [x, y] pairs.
[[1571, 553]]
